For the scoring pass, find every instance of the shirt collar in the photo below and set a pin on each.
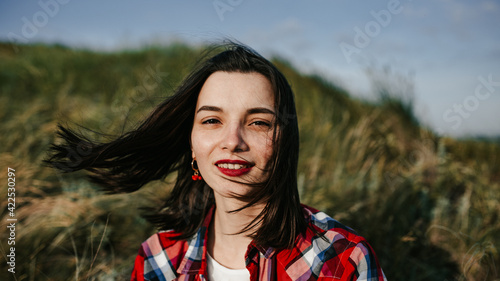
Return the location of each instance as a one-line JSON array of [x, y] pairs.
[[195, 262]]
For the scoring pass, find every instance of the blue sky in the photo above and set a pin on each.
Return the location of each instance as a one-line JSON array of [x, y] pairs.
[[448, 49]]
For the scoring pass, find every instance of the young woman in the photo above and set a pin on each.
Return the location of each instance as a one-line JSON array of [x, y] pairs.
[[230, 132]]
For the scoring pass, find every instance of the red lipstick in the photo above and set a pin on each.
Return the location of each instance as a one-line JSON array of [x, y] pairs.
[[233, 168]]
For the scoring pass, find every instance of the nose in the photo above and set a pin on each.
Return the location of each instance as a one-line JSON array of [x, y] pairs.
[[233, 138]]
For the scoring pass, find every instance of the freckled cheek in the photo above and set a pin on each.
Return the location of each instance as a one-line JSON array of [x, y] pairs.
[[268, 153], [202, 146], [264, 146]]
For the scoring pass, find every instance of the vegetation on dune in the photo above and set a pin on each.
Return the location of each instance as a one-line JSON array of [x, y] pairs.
[[427, 204]]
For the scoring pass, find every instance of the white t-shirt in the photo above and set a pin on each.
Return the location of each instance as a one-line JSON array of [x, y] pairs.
[[217, 272]]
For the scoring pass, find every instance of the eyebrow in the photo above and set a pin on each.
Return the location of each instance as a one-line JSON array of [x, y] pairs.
[[260, 110], [209, 108], [254, 110]]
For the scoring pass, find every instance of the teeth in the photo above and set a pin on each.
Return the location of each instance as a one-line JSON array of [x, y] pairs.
[[231, 166]]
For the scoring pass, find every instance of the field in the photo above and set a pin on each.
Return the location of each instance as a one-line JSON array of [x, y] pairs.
[[428, 205]]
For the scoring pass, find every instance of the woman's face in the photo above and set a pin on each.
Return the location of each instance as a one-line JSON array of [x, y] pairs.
[[232, 137]]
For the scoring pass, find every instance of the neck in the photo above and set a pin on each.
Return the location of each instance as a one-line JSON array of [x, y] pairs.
[[224, 244]]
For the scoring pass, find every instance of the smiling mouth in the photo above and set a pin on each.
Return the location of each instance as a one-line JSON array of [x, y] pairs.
[[230, 166], [233, 168]]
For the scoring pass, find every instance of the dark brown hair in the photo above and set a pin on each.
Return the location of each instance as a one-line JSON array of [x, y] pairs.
[[161, 145]]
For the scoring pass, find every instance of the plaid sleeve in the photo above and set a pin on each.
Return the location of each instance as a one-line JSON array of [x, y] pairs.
[[344, 255], [153, 263], [365, 264], [138, 272]]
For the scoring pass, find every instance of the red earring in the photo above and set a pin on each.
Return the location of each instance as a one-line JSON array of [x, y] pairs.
[[196, 176]]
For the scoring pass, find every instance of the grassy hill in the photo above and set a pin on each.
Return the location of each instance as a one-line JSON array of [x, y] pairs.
[[427, 204]]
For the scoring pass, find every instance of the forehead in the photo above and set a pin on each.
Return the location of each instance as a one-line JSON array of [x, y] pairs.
[[233, 90]]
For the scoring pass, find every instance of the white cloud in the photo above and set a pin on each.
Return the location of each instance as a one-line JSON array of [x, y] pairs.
[[288, 34], [460, 12], [285, 29], [489, 6], [411, 11], [289, 27]]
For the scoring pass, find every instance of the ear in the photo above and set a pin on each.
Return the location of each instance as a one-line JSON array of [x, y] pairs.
[[191, 147]]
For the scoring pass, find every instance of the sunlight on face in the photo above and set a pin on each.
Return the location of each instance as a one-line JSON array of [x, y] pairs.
[[233, 130]]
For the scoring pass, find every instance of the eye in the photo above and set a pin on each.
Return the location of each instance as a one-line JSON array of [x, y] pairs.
[[211, 121], [261, 123]]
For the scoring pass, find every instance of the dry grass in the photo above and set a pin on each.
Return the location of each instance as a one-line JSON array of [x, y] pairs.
[[428, 205]]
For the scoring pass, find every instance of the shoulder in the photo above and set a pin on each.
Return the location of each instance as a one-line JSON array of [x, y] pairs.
[[334, 250], [161, 253], [328, 235], [327, 225], [164, 243]]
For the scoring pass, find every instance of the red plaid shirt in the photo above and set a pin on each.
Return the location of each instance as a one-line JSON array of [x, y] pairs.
[[344, 255]]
